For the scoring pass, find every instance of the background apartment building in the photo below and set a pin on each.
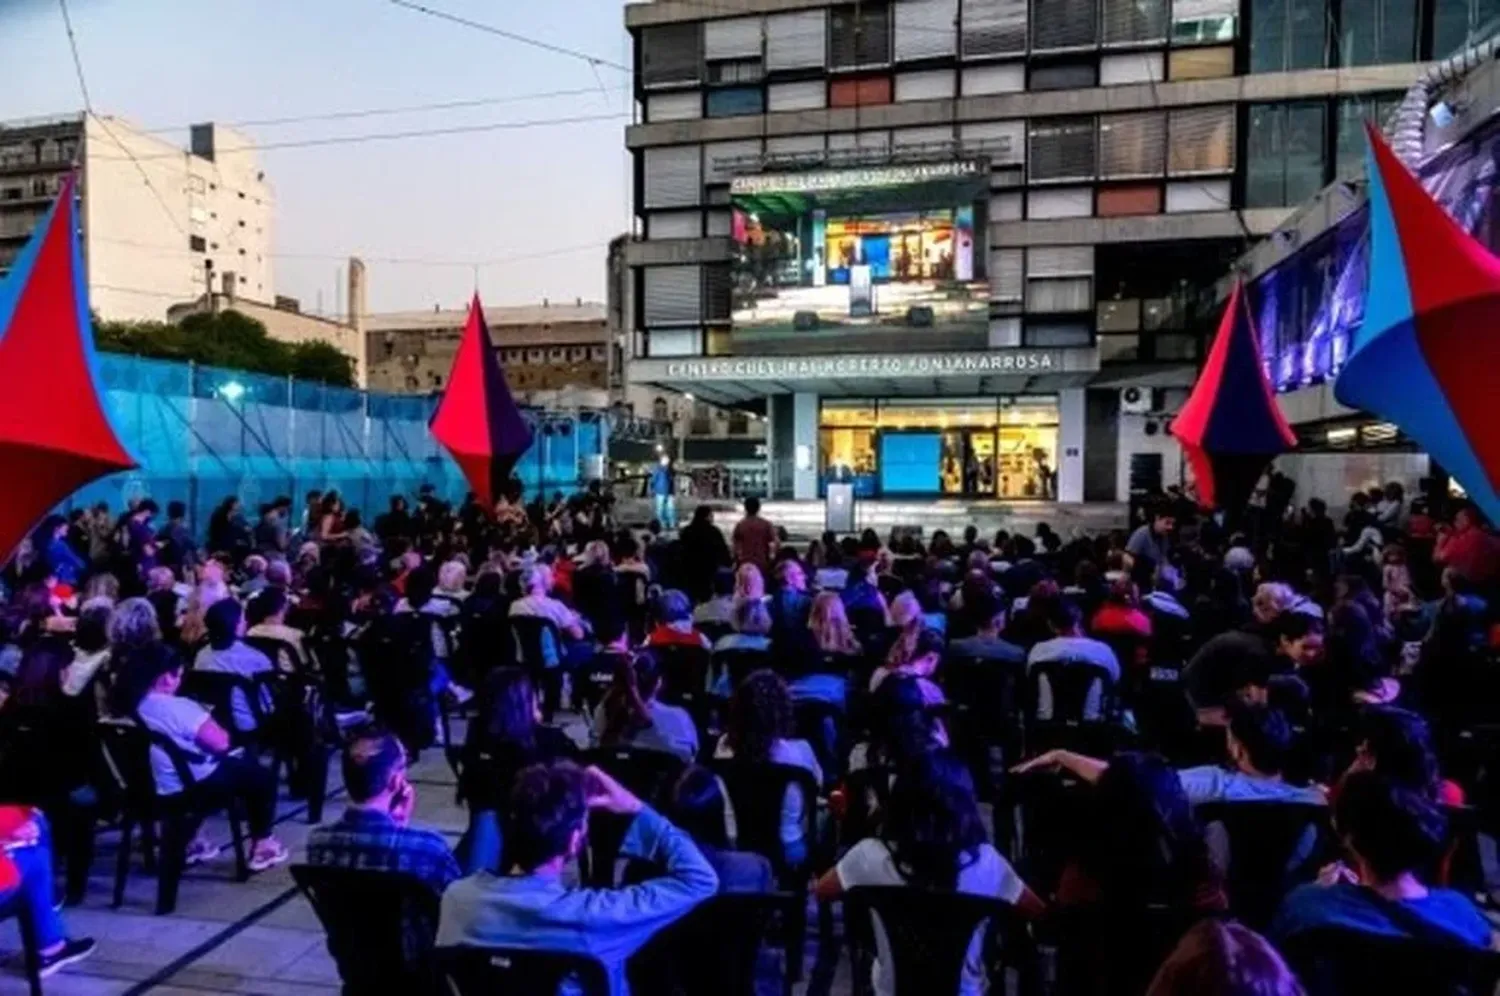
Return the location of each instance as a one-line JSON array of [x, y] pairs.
[[161, 224], [1043, 193]]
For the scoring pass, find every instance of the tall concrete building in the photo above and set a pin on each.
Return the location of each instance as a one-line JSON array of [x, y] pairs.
[[162, 224], [968, 248]]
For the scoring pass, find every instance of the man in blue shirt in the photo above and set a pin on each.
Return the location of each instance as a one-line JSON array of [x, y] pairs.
[[663, 493], [533, 907], [1389, 831]]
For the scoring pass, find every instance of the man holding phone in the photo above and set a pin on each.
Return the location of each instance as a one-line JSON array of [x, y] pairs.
[[373, 833], [535, 907]]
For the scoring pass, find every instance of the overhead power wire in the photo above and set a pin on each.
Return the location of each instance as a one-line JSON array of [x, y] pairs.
[[574, 53]]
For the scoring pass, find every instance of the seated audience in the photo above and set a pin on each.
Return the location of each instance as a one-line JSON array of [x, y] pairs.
[[266, 616], [631, 715], [227, 653], [1069, 646], [902, 726], [674, 623], [375, 832], [1397, 743], [984, 606], [932, 837], [1224, 958], [1120, 615], [752, 628], [146, 688], [718, 610], [760, 730], [534, 906], [1389, 832], [831, 639], [507, 735], [26, 887], [90, 647]]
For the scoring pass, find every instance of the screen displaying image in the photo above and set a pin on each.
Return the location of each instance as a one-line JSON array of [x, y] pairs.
[[893, 249]]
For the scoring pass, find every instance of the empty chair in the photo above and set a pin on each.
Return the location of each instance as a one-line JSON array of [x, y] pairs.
[[380, 926], [1271, 847], [471, 971], [922, 939]]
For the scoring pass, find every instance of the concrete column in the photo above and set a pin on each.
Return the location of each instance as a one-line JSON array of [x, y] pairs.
[[1070, 419], [805, 446]]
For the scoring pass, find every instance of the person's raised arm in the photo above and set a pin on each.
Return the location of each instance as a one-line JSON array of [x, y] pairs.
[[1088, 769]]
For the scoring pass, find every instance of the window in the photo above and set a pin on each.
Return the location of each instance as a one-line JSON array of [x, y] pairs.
[[1204, 22], [993, 27], [859, 36], [673, 295], [1349, 149], [1059, 294], [859, 91], [1061, 149], [1134, 21], [925, 29], [197, 243], [1200, 63], [797, 40], [735, 101], [1064, 23], [671, 53], [1131, 145], [1288, 34], [1200, 140], [736, 71], [1378, 31], [671, 176], [1457, 24], [1065, 76], [1287, 154]]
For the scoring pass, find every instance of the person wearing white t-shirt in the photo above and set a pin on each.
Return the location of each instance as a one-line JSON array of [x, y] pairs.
[[932, 838], [146, 688]]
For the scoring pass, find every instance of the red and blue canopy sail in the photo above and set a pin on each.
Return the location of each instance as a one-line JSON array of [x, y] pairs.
[[56, 434], [477, 420], [1427, 357], [1230, 427]]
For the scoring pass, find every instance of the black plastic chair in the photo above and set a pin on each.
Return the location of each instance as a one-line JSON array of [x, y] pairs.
[[757, 791], [1273, 847], [1071, 683], [1334, 962], [722, 948], [471, 971], [740, 663], [928, 934], [532, 636], [281, 653], [1106, 951], [821, 724], [126, 748], [216, 690], [381, 927], [649, 775]]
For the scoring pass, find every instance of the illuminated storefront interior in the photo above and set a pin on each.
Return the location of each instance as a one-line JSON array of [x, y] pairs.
[[965, 447]]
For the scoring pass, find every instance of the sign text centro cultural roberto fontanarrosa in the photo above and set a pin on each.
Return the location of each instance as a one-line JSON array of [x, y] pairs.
[[854, 179], [1018, 361]]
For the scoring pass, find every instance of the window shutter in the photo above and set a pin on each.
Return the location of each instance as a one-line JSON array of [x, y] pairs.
[[733, 38], [673, 176], [673, 295], [796, 41], [1004, 142], [723, 160], [1202, 140], [926, 29], [671, 53], [1134, 21], [1061, 149], [1064, 24], [1060, 261], [1132, 145], [993, 27], [1007, 274]]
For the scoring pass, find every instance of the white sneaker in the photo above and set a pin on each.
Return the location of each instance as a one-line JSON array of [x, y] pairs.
[[269, 857], [460, 694]]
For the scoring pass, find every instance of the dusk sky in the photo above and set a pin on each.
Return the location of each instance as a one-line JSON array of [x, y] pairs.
[[559, 190]]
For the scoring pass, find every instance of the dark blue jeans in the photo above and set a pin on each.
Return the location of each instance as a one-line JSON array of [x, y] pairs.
[[33, 896]]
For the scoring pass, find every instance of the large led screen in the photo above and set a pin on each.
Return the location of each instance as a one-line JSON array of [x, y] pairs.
[[883, 249]]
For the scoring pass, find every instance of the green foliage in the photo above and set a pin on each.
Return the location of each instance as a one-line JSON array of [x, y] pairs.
[[226, 339]]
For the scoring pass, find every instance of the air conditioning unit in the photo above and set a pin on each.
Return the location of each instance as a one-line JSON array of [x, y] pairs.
[[1135, 401]]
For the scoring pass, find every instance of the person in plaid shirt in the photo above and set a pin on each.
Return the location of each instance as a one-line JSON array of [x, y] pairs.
[[374, 833]]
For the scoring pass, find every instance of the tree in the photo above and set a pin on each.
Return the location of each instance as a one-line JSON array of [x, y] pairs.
[[226, 339]]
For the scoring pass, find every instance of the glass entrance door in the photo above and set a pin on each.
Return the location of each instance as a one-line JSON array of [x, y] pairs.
[[968, 468]]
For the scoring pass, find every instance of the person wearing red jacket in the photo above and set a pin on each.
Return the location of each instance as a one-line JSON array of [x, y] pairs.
[[26, 886]]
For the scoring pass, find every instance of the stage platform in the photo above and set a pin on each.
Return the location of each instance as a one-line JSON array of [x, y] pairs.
[[804, 519]]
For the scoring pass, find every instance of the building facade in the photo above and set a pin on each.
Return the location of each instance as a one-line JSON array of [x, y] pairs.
[[971, 247], [162, 224], [554, 355]]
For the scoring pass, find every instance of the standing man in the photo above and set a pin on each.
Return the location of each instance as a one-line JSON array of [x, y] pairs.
[[755, 538], [664, 492], [1150, 546]]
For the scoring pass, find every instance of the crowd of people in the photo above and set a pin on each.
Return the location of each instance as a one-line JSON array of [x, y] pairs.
[[1075, 727]]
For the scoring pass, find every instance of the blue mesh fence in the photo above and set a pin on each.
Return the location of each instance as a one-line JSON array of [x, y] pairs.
[[202, 433]]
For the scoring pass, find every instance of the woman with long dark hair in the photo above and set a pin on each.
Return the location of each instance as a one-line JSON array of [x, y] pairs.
[[507, 737], [932, 838], [631, 716], [760, 731]]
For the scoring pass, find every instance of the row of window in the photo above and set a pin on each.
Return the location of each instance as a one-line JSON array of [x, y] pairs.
[[874, 89], [38, 152], [551, 354], [1283, 34], [881, 33]]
